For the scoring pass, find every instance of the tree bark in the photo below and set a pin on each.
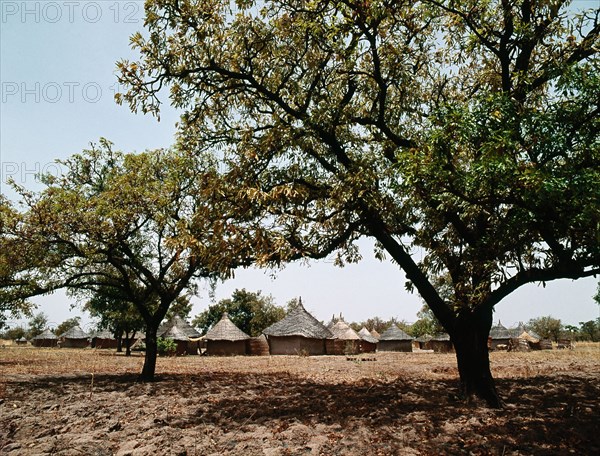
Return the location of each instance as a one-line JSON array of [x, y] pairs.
[[470, 338], [151, 353]]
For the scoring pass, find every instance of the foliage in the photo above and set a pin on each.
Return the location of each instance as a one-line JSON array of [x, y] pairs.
[[66, 325], [166, 347], [37, 324], [14, 333], [427, 323], [546, 327], [468, 131], [250, 311], [590, 330], [147, 226]]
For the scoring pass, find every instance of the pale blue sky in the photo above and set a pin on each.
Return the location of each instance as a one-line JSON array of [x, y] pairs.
[[57, 62]]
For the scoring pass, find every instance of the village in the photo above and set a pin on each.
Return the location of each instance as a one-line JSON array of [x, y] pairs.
[[298, 333]]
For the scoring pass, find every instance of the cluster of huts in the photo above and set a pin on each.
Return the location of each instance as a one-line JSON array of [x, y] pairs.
[[299, 333]]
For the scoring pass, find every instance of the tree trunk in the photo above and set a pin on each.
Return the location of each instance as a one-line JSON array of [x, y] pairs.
[[470, 338], [128, 338], [151, 353], [120, 342]]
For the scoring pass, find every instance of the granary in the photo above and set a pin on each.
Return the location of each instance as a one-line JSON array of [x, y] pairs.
[[225, 338], [298, 333], [440, 343], [45, 339], [394, 339], [345, 341], [74, 338], [499, 337], [104, 339], [368, 343], [258, 346], [182, 335]]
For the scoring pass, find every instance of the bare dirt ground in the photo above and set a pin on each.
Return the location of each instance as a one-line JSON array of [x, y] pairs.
[[88, 402]]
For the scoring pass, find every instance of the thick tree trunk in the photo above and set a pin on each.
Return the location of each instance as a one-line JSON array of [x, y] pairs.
[[151, 353], [120, 342], [128, 338], [470, 338]]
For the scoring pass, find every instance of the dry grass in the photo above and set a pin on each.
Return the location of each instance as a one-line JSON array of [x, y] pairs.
[[70, 401]]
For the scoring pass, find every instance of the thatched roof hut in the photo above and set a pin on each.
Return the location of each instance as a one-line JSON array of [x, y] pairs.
[[225, 338], [181, 324], [375, 334], [74, 338], [104, 339], [500, 337], [394, 339], [180, 331], [345, 341], [422, 342], [368, 342], [45, 339], [440, 343], [298, 333], [21, 341]]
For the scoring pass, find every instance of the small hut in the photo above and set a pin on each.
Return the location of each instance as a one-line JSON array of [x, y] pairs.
[[499, 337], [368, 343], [21, 341], [45, 339], [184, 333], [440, 343], [298, 333], [394, 339], [422, 342], [225, 338], [74, 338], [345, 341], [177, 335], [375, 334], [104, 339]]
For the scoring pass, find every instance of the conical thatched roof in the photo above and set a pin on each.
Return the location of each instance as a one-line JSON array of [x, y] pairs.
[[366, 336], [104, 334], [441, 337], [226, 330], [530, 336], [375, 334], [499, 332], [394, 333], [299, 323], [424, 338], [342, 330], [74, 333], [181, 324], [175, 333], [46, 335]]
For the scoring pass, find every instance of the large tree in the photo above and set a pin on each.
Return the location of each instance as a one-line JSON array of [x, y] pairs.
[[144, 227], [468, 131]]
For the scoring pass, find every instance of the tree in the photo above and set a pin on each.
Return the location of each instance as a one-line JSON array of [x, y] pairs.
[[546, 327], [590, 330], [66, 325], [250, 311], [115, 313], [467, 131], [426, 324], [37, 324], [148, 226]]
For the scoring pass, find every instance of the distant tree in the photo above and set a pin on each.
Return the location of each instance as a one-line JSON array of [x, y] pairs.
[[546, 327], [37, 324], [292, 304], [590, 330], [66, 325], [14, 333], [250, 311], [427, 323], [182, 307]]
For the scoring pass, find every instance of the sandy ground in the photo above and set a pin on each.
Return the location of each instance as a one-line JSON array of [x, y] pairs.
[[88, 402]]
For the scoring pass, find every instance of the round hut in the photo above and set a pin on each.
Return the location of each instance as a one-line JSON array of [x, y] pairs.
[[74, 338], [422, 342], [226, 339], [192, 340], [299, 333], [394, 339], [368, 343], [45, 339], [21, 341], [441, 343], [345, 341], [499, 337], [104, 339]]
